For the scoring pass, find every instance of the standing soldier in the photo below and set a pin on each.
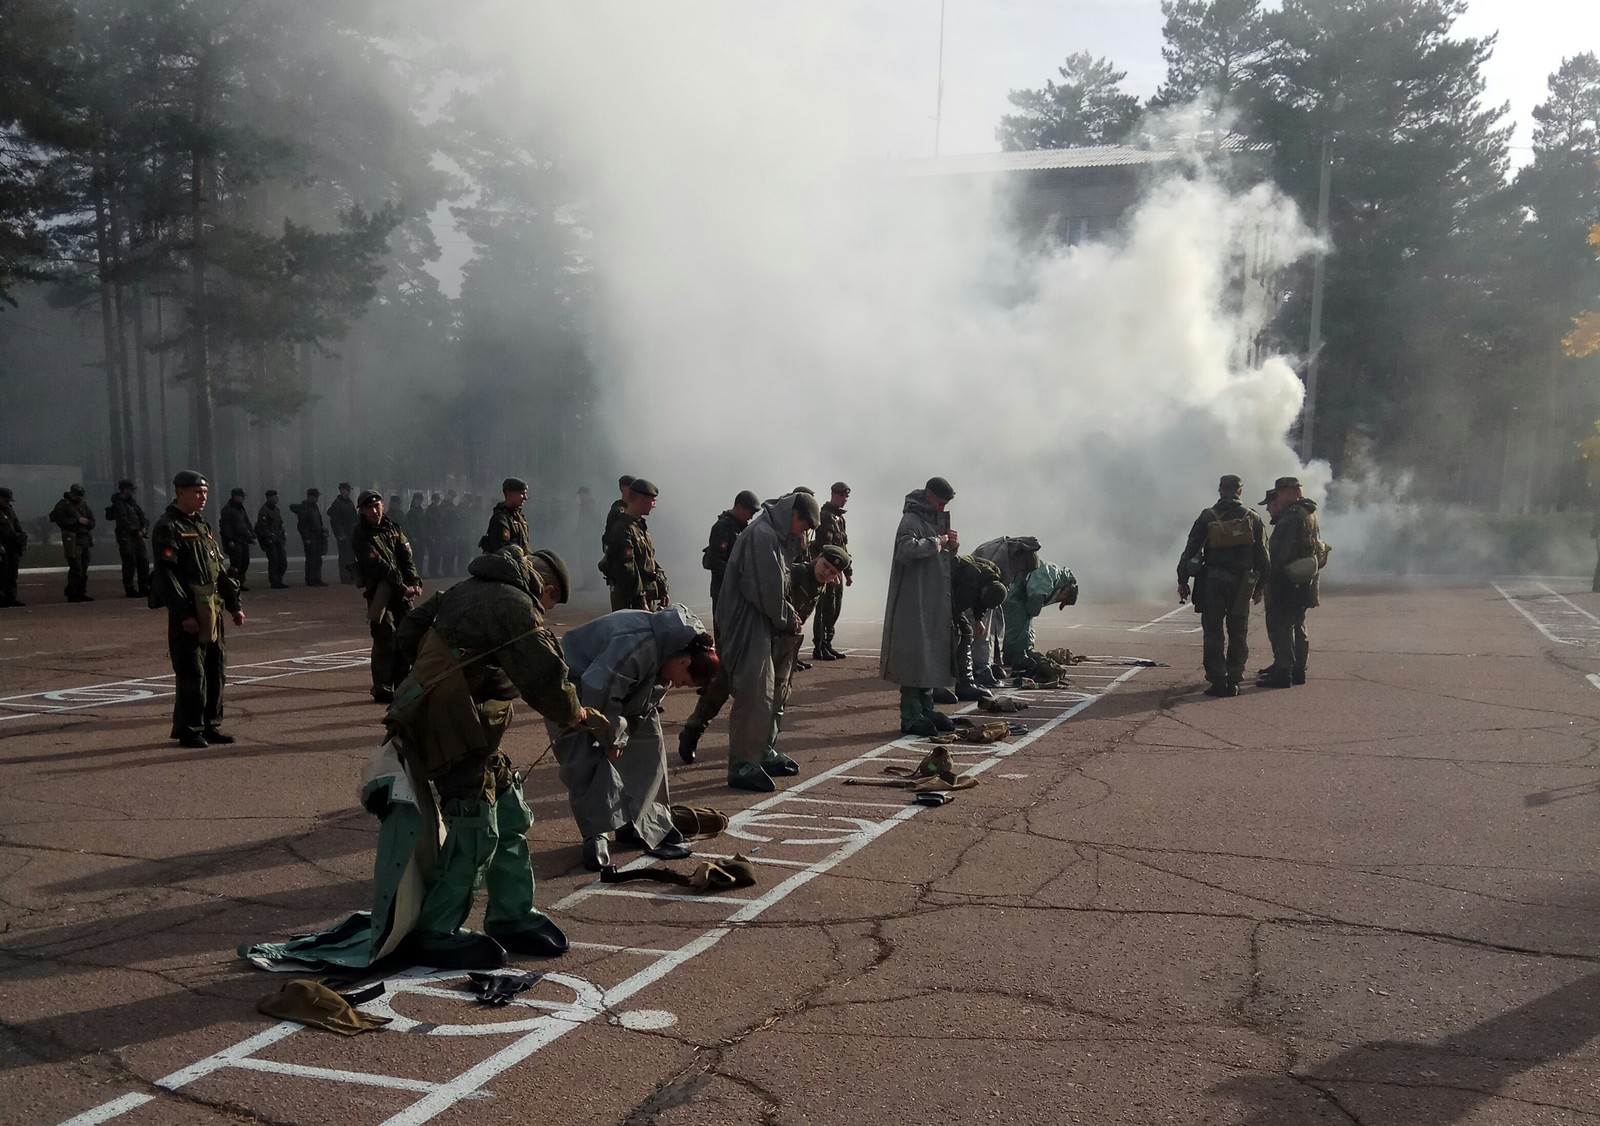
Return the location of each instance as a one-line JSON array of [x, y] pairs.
[[614, 516], [417, 521], [1297, 553], [193, 583], [389, 579], [437, 522], [917, 633], [273, 539], [719, 545], [637, 581], [132, 529], [13, 539], [233, 528], [1226, 555], [508, 527], [313, 534], [342, 520], [831, 532], [71, 514], [754, 619]]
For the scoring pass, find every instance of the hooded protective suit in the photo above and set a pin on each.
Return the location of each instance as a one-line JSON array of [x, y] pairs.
[[1027, 596], [752, 612], [1015, 556], [616, 662], [917, 633]]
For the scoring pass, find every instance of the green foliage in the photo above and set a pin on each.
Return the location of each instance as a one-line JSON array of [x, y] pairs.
[[1087, 107]]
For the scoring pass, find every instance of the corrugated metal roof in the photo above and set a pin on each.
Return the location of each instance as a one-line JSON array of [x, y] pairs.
[[1035, 160]]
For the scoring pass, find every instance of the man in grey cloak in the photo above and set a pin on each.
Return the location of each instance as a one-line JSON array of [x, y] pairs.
[[753, 613], [917, 632], [1016, 556], [622, 664]]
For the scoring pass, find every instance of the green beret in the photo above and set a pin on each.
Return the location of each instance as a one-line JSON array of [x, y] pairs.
[[552, 568], [188, 479], [643, 488], [939, 487], [806, 506], [991, 595], [513, 485], [840, 487], [746, 499], [836, 555]]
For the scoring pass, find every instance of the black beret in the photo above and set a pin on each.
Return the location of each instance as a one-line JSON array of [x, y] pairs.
[[625, 480], [939, 487], [77, 490], [840, 487], [313, 492], [188, 479], [124, 484], [272, 492], [5, 494], [746, 499], [237, 493], [991, 595], [836, 555], [806, 505], [552, 566], [643, 488], [513, 485], [367, 497], [345, 485]]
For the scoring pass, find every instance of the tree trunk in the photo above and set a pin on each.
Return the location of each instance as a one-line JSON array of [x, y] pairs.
[[199, 361], [141, 368], [119, 262], [107, 320], [308, 419]]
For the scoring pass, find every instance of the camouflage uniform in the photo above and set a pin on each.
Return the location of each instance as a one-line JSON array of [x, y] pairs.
[[71, 514], [233, 528], [508, 527], [637, 581], [830, 532], [1295, 535], [271, 536], [132, 529], [13, 540], [1225, 584], [342, 521], [313, 536], [193, 583], [385, 569]]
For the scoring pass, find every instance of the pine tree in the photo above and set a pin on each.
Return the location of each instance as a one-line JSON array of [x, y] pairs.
[[1087, 107]]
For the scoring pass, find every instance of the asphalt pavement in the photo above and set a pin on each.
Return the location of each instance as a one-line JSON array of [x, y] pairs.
[[1371, 899]]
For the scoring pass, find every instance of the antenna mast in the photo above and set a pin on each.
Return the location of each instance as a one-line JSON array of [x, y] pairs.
[[938, 102]]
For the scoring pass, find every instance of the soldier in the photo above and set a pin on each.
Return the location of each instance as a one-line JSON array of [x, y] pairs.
[[715, 559], [389, 580], [132, 529], [1046, 585], [508, 527], [417, 521], [437, 522], [975, 589], [831, 531], [342, 520], [273, 539], [193, 583], [917, 635], [13, 541], [313, 534], [71, 514], [1297, 554], [623, 664], [637, 581], [233, 528], [1016, 557], [807, 582], [1226, 554]]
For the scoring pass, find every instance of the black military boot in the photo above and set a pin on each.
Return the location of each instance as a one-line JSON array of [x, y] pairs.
[[1275, 678], [803, 666], [1298, 674], [834, 654], [1222, 689]]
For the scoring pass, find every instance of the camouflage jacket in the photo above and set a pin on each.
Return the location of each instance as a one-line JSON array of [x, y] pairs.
[[507, 526], [968, 576], [343, 518], [269, 525], [630, 566], [126, 517], [188, 559], [719, 545], [233, 526], [74, 519], [383, 554], [13, 537], [831, 531]]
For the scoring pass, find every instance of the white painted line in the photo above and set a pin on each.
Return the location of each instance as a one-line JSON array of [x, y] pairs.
[[1575, 607], [625, 949], [851, 804], [106, 1112], [1157, 621], [1594, 679], [544, 1030], [756, 859], [612, 889], [1517, 605], [307, 1071]]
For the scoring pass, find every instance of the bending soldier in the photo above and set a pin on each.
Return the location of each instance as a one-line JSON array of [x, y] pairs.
[[1015, 556], [1226, 554], [193, 583], [1045, 585], [389, 581], [975, 589], [71, 514], [132, 529], [831, 532], [808, 581], [272, 537], [623, 663], [233, 528]]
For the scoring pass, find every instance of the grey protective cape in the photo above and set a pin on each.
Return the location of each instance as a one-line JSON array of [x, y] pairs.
[[917, 634], [752, 611], [1015, 556], [616, 662]]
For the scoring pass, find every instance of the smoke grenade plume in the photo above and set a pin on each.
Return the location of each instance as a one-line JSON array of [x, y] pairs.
[[779, 305]]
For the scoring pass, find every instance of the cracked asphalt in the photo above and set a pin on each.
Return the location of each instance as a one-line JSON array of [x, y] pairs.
[[1371, 899]]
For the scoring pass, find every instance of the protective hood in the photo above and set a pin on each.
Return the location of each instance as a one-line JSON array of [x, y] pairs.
[[917, 501], [1305, 503], [674, 628], [509, 565]]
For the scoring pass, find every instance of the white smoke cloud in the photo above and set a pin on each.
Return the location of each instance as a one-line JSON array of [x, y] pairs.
[[779, 306]]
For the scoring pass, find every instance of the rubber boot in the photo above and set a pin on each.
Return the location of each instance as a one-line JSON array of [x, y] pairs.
[[966, 685], [688, 741], [912, 719], [941, 722], [749, 776], [510, 918]]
